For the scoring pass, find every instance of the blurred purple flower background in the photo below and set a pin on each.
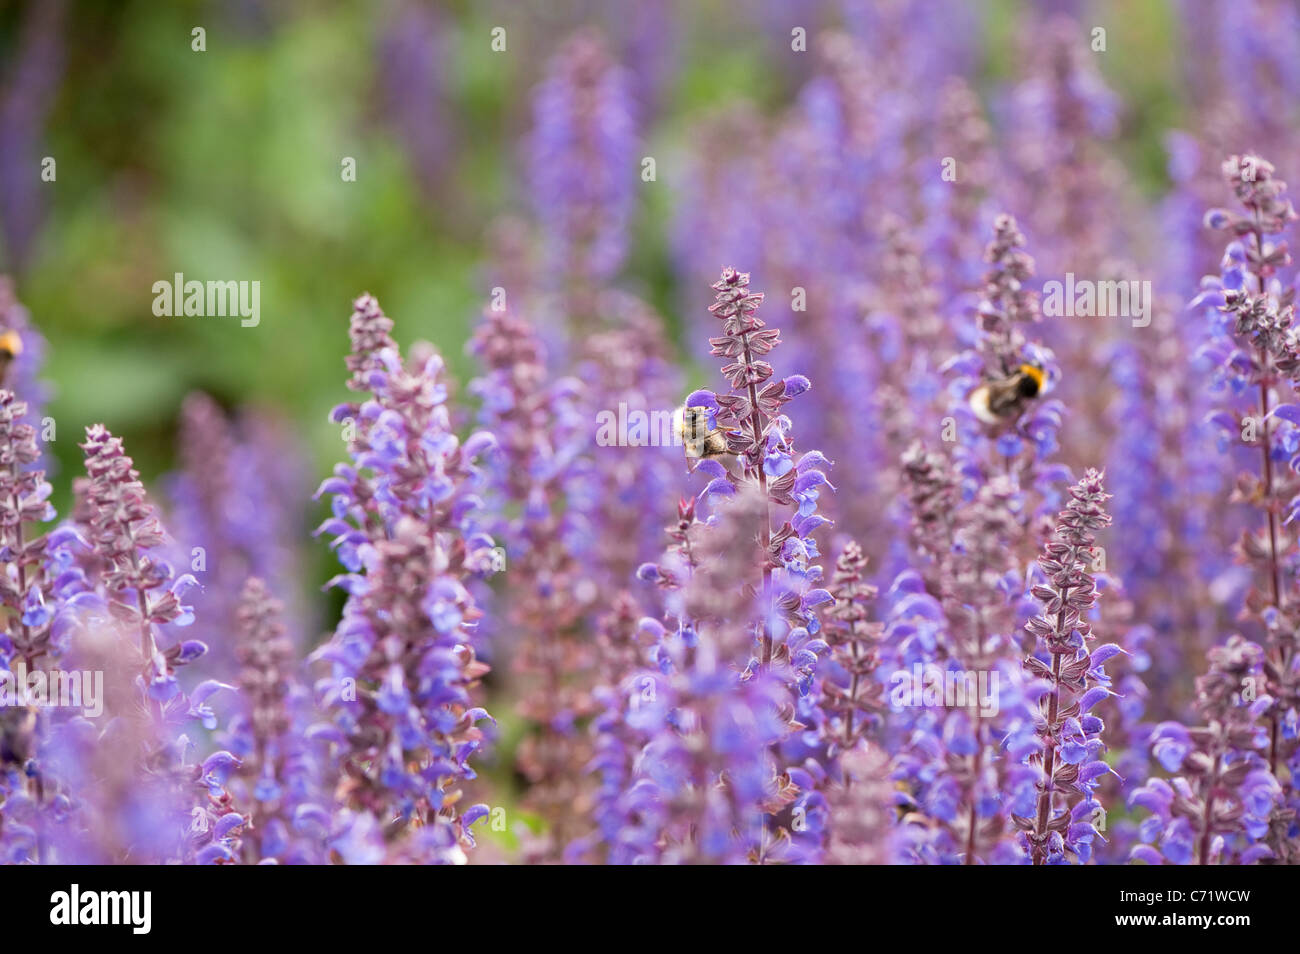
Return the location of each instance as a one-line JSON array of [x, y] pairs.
[[899, 465]]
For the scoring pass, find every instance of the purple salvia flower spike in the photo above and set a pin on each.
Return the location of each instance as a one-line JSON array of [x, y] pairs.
[[1068, 763]]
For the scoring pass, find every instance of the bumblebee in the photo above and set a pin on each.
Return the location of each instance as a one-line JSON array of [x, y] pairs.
[[11, 346], [699, 439], [1004, 400]]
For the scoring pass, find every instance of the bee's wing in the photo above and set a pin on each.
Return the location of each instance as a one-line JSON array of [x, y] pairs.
[[686, 431]]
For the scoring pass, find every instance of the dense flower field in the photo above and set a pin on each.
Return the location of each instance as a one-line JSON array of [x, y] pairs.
[[951, 519]]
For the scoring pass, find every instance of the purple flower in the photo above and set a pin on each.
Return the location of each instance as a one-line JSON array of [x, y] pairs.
[[407, 506], [1222, 805], [582, 160], [1067, 780], [541, 471], [233, 514]]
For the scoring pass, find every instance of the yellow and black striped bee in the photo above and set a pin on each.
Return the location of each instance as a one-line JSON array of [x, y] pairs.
[[1004, 400], [11, 346], [699, 439]]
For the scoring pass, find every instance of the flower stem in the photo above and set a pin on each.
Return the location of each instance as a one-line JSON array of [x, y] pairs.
[[1274, 573], [765, 532]]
